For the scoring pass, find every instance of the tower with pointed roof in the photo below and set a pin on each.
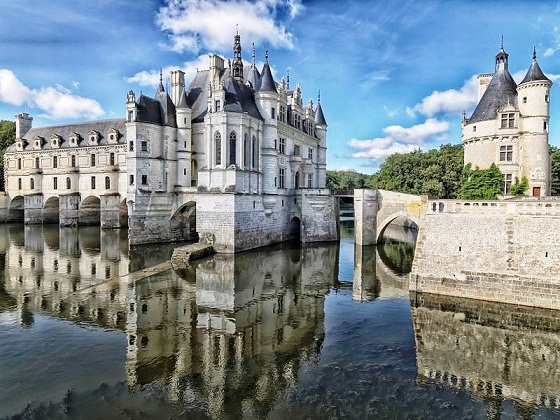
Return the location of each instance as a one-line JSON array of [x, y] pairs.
[[509, 126]]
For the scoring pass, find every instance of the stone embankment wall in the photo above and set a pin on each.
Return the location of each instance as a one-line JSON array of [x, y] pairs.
[[504, 251]]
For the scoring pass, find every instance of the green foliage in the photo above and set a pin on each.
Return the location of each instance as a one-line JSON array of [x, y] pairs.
[[343, 180], [436, 172], [519, 188], [555, 170], [481, 184], [7, 137]]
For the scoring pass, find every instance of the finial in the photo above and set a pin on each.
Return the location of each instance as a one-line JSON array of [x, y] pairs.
[[266, 54], [288, 78], [534, 53], [319, 96], [253, 55], [160, 75], [237, 28], [502, 43]]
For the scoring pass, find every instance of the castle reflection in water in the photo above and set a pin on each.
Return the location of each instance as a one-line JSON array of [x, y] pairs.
[[197, 331], [232, 331]]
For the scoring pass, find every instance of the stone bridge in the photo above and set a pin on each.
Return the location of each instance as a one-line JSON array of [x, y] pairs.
[[374, 210]]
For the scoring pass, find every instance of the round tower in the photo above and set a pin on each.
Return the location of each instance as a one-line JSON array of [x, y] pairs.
[[321, 133], [534, 109]]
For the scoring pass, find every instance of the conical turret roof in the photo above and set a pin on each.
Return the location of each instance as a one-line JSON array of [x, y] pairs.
[[534, 73]]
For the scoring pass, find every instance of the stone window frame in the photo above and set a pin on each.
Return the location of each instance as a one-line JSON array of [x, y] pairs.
[[506, 153], [281, 177], [93, 183], [507, 120], [144, 179], [94, 137], [68, 183], [55, 141], [218, 148], [232, 148], [282, 145], [74, 139], [107, 183], [506, 186], [55, 183], [55, 162], [113, 136], [38, 142]]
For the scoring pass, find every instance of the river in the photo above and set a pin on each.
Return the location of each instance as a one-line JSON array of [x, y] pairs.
[[285, 332]]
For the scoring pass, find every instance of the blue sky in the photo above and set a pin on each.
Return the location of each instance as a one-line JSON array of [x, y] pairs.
[[394, 75]]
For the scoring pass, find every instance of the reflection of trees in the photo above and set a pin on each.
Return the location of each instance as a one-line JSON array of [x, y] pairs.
[[398, 256], [495, 351]]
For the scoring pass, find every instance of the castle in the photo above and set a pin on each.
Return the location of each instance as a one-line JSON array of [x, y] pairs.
[[509, 126], [235, 159]]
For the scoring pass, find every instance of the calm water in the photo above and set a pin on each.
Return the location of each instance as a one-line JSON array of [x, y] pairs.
[[287, 332]]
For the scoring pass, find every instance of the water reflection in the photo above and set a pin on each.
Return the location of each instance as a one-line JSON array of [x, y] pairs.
[[496, 352]]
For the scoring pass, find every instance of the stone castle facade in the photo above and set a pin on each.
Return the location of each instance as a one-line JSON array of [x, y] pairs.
[[510, 126], [235, 158]]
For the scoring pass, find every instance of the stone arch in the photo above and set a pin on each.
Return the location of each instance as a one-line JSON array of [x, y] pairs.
[[16, 209], [295, 227], [183, 222], [89, 213], [385, 222], [51, 210]]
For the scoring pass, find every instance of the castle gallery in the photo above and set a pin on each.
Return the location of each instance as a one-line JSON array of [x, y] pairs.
[[234, 158]]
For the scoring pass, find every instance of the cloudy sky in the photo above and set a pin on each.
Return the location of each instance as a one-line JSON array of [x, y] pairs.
[[394, 76]]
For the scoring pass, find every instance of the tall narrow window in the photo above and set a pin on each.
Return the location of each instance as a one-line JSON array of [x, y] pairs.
[[32, 183], [296, 150], [19, 163], [282, 181], [55, 183], [131, 146], [282, 145], [107, 183], [309, 180], [144, 179], [254, 146], [144, 146], [55, 162], [507, 183], [68, 183], [19, 183], [131, 180], [93, 183], [73, 161], [310, 153], [506, 153], [232, 147], [245, 151], [92, 159], [218, 146], [37, 162], [111, 159]]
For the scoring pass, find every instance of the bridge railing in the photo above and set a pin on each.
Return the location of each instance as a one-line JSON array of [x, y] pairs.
[[521, 207]]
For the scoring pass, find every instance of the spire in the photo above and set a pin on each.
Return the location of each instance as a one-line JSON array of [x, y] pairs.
[[237, 65], [534, 73], [253, 57], [267, 81], [502, 57], [266, 54], [160, 87], [319, 116], [288, 79]]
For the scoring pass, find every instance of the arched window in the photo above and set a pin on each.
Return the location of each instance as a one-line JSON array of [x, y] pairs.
[[68, 183], [245, 151], [32, 183], [232, 147], [254, 162], [107, 183], [218, 142]]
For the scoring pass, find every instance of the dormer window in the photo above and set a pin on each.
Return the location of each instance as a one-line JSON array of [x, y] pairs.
[[113, 135], [19, 144], [508, 120], [37, 143], [93, 138], [74, 139], [55, 141]]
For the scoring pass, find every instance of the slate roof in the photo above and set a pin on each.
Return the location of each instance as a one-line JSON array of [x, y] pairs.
[[319, 116], [267, 82], [501, 90], [65, 131], [534, 73]]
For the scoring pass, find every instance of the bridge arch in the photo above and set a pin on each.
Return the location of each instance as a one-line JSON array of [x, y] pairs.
[[16, 209], [295, 227], [183, 222], [381, 226], [51, 210], [89, 212]]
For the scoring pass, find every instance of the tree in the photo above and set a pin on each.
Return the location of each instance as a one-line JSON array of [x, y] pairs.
[[519, 188], [555, 170], [344, 180], [481, 184], [7, 137]]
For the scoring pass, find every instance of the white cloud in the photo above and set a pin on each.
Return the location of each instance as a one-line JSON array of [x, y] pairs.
[[399, 139], [202, 62], [375, 78], [210, 24], [451, 101], [57, 102]]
